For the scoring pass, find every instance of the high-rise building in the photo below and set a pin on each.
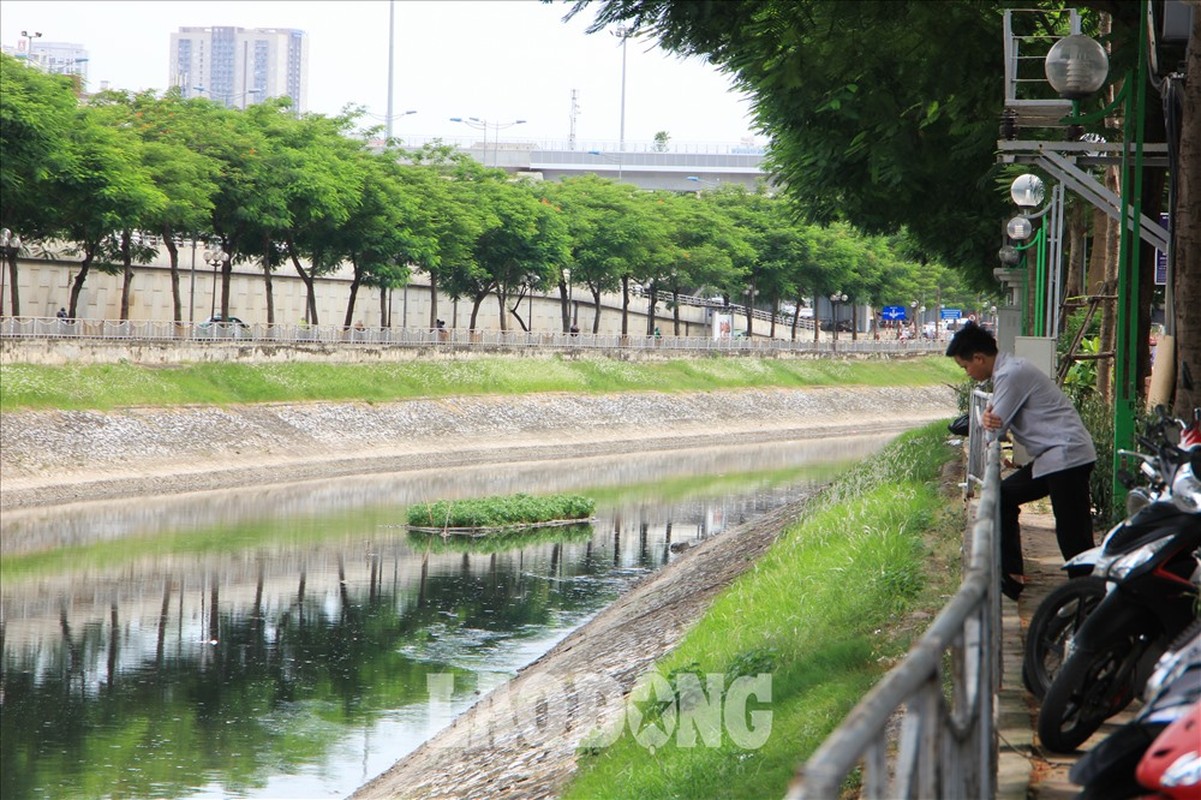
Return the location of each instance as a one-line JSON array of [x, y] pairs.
[[239, 66], [56, 58]]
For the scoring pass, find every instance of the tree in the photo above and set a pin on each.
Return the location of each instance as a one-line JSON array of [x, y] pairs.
[[105, 194], [608, 230], [882, 111], [187, 180], [36, 111]]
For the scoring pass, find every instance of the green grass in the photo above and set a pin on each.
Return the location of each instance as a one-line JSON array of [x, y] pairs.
[[107, 386], [820, 613]]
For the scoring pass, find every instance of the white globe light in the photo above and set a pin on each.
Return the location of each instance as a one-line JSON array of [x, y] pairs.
[[1027, 191], [1019, 228], [1076, 66]]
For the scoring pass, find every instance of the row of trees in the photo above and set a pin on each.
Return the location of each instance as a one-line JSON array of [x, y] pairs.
[[109, 176], [884, 113]]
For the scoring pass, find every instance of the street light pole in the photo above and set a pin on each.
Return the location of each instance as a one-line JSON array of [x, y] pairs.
[[192, 289], [483, 125], [217, 258], [29, 37], [10, 246], [623, 33]]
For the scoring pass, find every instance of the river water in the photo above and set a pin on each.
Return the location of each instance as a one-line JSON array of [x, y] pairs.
[[281, 642]]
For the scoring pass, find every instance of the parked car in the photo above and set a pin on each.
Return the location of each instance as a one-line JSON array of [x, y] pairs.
[[218, 325], [217, 319]]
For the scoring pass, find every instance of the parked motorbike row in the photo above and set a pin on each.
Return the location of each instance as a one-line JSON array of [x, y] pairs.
[[1125, 623]]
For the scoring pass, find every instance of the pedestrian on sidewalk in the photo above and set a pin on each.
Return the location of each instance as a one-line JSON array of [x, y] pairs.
[[1028, 404]]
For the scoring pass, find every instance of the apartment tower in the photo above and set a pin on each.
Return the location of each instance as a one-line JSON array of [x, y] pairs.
[[239, 67]]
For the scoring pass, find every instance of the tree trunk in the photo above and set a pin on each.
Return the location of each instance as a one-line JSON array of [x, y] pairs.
[[310, 289], [796, 315], [227, 272], [12, 282], [173, 258], [816, 322], [476, 302], [625, 305], [355, 283], [596, 310], [268, 286], [385, 319], [1187, 228], [500, 299], [675, 311], [76, 285], [434, 303], [1153, 189], [1073, 281], [126, 274], [565, 304], [652, 301]]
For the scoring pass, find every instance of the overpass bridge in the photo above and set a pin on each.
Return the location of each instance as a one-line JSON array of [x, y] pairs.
[[676, 168]]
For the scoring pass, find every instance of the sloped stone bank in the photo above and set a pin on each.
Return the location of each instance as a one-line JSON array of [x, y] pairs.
[[52, 457]]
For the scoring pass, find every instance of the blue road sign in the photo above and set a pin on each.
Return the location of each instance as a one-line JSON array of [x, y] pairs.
[[951, 313], [893, 313]]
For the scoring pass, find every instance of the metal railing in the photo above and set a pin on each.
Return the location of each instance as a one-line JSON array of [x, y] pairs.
[[947, 746], [300, 334], [977, 444]]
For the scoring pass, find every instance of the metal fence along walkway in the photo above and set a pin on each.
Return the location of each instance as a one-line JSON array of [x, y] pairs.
[[458, 338], [947, 744]]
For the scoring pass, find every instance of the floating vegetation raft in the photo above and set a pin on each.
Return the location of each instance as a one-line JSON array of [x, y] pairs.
[[480, 542], [501, 513]]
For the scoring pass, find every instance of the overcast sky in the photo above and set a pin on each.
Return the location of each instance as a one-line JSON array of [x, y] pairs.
[[498, 60]]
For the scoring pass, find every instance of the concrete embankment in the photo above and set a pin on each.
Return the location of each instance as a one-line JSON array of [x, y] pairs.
[[53, 457]]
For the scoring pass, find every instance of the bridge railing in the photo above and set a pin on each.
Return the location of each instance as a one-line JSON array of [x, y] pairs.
[[300, 334], [947, 743]]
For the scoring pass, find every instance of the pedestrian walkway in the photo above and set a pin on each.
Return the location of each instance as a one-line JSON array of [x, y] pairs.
[[1025, 769]]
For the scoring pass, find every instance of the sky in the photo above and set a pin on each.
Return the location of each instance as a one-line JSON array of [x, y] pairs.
[[496, 60]]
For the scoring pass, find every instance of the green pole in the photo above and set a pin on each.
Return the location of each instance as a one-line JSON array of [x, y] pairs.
[[1127, 344], [1040, 282]]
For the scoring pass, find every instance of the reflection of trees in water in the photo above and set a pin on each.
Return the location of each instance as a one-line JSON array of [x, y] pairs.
[[219, 690], [151, 676]]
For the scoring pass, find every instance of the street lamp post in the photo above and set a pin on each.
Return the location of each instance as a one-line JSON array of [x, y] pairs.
[[836, 299], [1076, 67], [749, 293], [619, 160], [29, 37], [484, 125], [216, 258], [918, 311], [569, 317], [623, 33], [10, 246]]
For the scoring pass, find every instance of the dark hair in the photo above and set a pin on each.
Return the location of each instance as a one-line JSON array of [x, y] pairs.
[[972, 339]]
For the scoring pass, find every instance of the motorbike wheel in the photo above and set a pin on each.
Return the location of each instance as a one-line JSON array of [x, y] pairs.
[[1090, 688], [1055, 621]]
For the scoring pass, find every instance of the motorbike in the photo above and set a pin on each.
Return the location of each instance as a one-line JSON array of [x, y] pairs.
[[1110, 771], [1062, 612], [1172, 766], [1152, 574]]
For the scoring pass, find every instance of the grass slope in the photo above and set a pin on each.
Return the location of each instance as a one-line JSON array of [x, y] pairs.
[[819, 613], [106, 386]]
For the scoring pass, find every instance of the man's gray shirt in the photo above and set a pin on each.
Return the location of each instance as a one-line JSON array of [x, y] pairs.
[[1040, 416]]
